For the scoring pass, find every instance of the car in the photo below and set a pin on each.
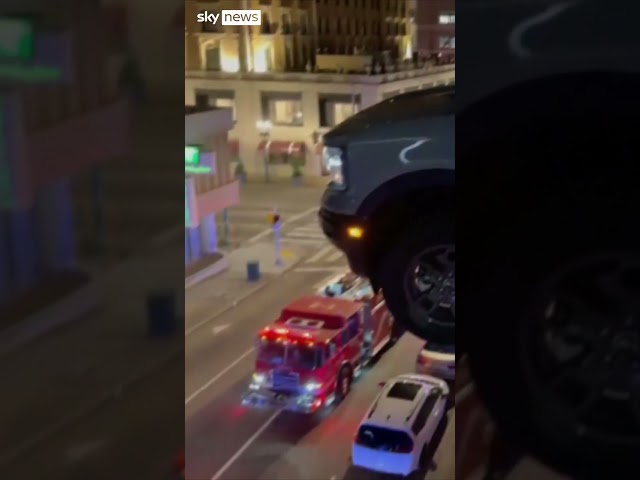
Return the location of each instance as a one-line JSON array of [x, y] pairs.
[[438, 360], [389, 206], [395, 433]]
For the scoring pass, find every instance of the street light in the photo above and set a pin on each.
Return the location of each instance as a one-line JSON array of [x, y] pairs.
[[264, 129]]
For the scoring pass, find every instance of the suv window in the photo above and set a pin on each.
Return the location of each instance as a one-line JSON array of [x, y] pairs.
[[404, 390], [425, 411], [379, 438]]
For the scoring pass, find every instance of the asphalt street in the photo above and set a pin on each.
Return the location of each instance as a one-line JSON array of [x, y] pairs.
[[136, 435], [226, 441]]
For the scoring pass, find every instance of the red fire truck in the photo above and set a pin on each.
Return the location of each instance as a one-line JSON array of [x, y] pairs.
[[309, 357]]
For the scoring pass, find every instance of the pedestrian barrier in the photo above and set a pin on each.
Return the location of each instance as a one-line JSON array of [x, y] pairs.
[[253, 271], [162, 317]]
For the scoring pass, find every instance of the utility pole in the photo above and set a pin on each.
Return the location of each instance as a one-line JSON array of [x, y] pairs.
[[277, 236]]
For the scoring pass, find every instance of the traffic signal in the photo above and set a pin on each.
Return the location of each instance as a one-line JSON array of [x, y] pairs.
[[275, 218]]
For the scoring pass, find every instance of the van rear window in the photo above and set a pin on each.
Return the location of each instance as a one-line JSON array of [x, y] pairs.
[[384, 439], [404, 390]]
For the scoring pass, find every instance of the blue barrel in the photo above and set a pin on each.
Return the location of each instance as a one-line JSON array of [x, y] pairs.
[[162, 317], [253, 271]]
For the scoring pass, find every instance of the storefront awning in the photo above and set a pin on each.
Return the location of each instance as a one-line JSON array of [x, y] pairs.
[[279, 147], [234, 148]]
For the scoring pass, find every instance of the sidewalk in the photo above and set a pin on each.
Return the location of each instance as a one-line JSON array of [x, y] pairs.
[[215, 295], [74, 370]]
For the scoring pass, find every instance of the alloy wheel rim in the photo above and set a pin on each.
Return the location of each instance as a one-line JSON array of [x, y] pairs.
[[582, 354], [430, 286]]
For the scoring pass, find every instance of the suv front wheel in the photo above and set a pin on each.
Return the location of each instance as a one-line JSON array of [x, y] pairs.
[[417, 277]]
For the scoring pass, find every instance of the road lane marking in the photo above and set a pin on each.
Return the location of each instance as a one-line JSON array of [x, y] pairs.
[[220, 374], [328, 268], [77, 452], [335, 256], [304, 241], [224, 310], [246, 446], [305, 235], [219, 329], [269, 231], [317, 256]]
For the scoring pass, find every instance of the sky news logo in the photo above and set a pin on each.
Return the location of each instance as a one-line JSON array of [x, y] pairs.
[[231, 17]]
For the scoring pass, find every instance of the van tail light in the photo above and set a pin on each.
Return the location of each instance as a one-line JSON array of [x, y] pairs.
[[424, 360]]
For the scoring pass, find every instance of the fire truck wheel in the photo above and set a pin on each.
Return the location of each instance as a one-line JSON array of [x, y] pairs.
[[344, 383], [417, 276]]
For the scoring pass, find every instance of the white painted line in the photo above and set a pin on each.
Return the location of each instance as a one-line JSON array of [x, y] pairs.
[[220, 374], [464, 393], [335, 270], [337, 255], [296, 234], [219, 329], [304, 241], [244, 447], [223, 310], [295, 218], [319, 254], [308, 229], [75, 453]]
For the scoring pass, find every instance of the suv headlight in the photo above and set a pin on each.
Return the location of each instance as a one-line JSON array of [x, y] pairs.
[[333, 161], [259, 378]]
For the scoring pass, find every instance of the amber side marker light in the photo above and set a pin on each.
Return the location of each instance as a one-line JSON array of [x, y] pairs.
[[355, 232]]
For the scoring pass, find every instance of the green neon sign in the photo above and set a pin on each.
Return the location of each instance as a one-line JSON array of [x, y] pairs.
[[30, 73], [187, 209], [198, 170], [191, 156], [17, 39], [6, 185]]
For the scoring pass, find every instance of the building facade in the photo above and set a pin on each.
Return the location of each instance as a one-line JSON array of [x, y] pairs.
[[210, 186], [295, 35], [436, 29], [309, 66], [58, 119], [300, 108]]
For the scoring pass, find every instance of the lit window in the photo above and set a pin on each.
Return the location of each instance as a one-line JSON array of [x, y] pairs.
[[283, 108], [216, 99], [335, 109], [447, 42], [447, 19]]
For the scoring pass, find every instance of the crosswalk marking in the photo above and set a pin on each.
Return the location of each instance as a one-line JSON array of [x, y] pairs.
[[315, 236], [320, 254], [335, 256], [304, 241]]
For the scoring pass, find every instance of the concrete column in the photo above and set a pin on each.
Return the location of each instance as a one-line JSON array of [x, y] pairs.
[[24, 248], [54, 207], [5, 259], [195, 244], [209, 233]]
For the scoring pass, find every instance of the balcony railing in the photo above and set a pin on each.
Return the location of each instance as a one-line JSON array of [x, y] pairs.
[[373, 79]]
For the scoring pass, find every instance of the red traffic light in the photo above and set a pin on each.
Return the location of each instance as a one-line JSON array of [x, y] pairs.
[[274, 218]]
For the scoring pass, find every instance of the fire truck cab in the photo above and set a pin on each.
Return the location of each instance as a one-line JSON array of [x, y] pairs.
[[309, 357]]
